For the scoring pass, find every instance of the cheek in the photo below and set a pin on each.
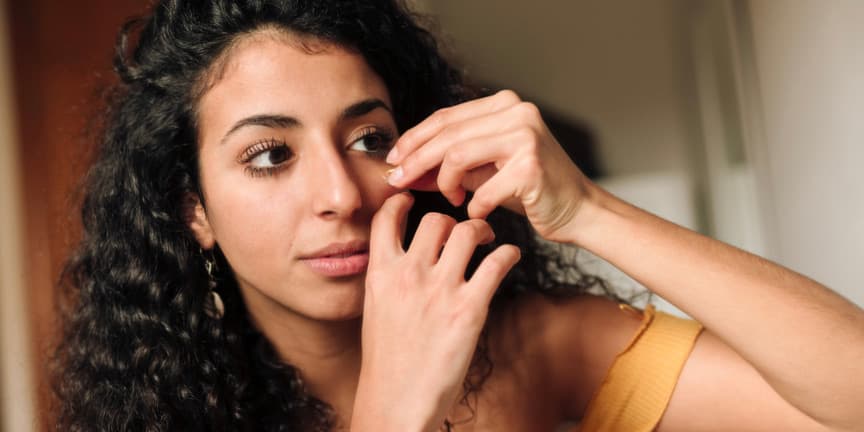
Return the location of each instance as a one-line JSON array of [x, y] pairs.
[[372, 175], [251, 226], [256, 234], [251, 218]]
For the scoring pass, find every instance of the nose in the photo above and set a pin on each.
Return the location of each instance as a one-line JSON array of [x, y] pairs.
[[336, 193]]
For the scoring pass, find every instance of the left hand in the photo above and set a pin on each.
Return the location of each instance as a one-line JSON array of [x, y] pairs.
[[499, 148]]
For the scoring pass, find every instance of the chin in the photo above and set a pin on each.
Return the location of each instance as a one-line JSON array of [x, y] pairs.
[[339, 303], [316, 300]]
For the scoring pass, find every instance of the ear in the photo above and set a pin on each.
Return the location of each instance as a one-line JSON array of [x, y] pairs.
[[196, 218]]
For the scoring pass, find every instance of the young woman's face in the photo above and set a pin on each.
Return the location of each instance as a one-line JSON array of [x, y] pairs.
[[292, 148]]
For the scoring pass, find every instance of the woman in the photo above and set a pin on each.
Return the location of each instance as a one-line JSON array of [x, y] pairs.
[[243, 265]]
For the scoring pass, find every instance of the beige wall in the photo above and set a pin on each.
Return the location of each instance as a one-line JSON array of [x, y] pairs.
[[16, 393], [620, 65], [809, 58]]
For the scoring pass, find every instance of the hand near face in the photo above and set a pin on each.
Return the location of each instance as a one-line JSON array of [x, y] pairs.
[[499, 148], [421, 318]]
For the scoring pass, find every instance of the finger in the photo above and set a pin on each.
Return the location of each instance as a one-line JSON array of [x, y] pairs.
[[431, 153], [492, 270], [472, 180], [385, 238], [460, 159], [431, 126], [431, 234], [463, 241], [426, 182], [501, 188]]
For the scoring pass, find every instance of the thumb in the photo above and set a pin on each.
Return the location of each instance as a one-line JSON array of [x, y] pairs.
[[385, 238]]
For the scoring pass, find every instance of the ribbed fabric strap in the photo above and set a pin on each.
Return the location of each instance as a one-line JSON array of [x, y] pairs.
[[638, 386]]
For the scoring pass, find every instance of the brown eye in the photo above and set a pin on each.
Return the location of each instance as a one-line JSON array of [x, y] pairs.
[[266, 157], [271, 158], [375, 143], [278, 155]]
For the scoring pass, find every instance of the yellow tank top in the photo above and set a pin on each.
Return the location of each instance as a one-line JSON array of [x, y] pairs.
[[636, 390]]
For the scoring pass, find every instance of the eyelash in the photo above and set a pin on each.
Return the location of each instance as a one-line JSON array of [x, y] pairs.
[[385, 135], [260, 147]]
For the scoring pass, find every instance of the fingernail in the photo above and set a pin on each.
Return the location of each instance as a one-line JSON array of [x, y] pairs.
[[395, 176], [392, 156]]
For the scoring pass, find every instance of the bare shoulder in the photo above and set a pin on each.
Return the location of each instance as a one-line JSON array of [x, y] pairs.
[[565, 345]]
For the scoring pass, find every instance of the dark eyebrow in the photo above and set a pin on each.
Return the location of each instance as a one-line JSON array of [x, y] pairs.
[[278, 121], [364, 107], [273, 121]]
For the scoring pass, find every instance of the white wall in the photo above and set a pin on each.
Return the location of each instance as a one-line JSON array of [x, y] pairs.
[[16, 386], [809, 61]]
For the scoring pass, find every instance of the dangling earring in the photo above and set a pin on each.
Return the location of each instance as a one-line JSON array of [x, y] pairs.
[[218, 310]]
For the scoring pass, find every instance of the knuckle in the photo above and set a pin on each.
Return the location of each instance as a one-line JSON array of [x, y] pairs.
[[439, 118], [528, 166], [438, 220], [455, 157], [448, 187], [472, 230], [448, 133], [528, 111], [508, 96], [464, 231]]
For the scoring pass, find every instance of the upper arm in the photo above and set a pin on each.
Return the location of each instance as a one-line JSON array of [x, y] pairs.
[[716, 390], [719, 390]]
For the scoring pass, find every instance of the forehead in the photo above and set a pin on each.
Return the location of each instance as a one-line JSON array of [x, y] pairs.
[[274, 72]]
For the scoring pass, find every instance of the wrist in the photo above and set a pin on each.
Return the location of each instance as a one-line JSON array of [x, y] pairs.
[[375, 409], [597, 213]]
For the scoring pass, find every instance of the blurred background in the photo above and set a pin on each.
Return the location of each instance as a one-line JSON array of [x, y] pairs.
[[742, 119]]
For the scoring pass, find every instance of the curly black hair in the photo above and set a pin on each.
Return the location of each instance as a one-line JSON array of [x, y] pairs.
[[141, 349]]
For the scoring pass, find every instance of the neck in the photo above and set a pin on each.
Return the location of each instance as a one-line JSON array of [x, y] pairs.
[[327, 354]]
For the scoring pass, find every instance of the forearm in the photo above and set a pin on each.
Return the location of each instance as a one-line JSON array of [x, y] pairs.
[[805, 340]]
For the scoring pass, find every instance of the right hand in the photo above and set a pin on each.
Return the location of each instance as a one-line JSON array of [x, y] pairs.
[[421, 318]]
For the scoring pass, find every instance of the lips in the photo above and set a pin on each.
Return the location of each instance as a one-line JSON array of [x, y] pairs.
[[339, 259], [340, 249]]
